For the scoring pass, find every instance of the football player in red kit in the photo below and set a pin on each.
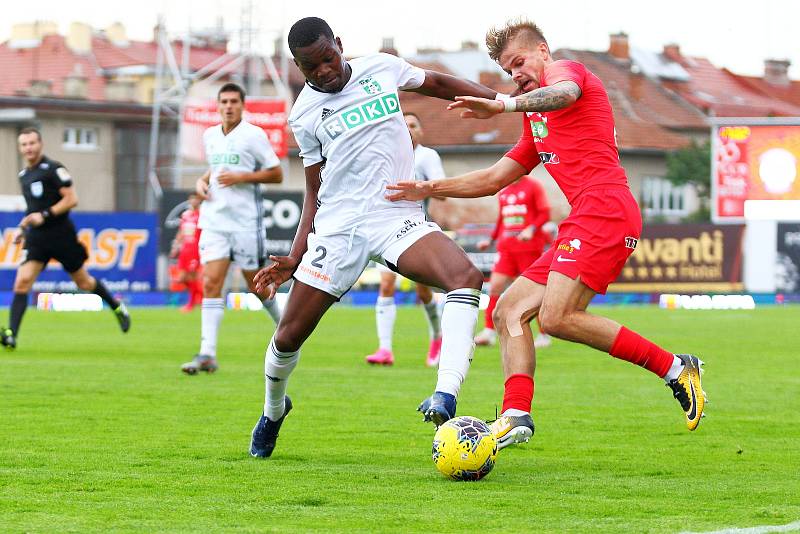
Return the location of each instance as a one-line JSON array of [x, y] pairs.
[[568, 125], [185, 247], [520, 237]]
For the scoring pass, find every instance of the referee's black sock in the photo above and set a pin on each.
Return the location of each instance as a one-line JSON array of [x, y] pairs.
[[102, 291], [18, 307]]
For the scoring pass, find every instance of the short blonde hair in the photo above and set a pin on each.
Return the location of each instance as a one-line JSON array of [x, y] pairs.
[[497, 38]]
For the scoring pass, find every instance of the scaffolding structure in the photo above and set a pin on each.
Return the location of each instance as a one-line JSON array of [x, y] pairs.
[[174, 78]]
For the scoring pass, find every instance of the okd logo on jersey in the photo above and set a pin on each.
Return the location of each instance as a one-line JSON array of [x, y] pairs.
[[374, 110], [216, 159]]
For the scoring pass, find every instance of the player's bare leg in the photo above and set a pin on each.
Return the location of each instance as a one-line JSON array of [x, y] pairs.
[[498, 282], [27, 273], [270, 305], [518, 306], [563, 314], [437, 261], [305, 307], [212, 309], [385, 314], [90, 284], [425, 295]]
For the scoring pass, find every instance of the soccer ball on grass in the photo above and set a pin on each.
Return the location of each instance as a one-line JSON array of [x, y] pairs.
[[464, 448]]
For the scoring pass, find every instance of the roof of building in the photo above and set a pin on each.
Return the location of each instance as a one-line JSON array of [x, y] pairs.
[[787, 92], [53, 62], [718, 92]]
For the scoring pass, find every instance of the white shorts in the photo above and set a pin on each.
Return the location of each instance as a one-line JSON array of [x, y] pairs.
[[247, 249], [333, 263]]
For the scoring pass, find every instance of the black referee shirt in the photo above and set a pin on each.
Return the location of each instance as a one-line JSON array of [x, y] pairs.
[[40, 185]]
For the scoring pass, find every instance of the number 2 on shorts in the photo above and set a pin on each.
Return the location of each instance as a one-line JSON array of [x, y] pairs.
[[322, 253]]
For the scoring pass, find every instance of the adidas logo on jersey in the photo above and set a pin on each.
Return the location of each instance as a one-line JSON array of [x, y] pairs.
[[326, 112]]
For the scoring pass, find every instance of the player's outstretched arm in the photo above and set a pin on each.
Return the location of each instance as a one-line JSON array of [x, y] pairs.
[[550, 98], [480, 183], [447, 87], [269, 279]]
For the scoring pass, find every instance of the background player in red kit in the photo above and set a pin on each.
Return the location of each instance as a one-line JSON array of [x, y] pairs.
[[185, 247], [568, 126], [520, 238]]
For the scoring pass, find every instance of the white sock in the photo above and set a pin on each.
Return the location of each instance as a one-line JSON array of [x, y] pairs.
[[273, 309], [513, 412], [458, 323], [434, 321], [277, 368], [385, 313], [211, 315], [674, 371]]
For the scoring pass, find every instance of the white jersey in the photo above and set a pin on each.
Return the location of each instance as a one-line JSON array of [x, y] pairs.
[[361, 135], [237, 207], [427, 164]]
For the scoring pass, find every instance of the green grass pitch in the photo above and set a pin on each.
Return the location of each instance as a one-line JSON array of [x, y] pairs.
[[101, 431]]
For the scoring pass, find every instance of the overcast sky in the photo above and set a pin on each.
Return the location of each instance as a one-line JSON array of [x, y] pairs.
[[737, 34]]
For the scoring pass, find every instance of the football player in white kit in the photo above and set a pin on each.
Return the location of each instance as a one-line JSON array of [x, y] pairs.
[[240, 158], [354, 142], [427, 166]]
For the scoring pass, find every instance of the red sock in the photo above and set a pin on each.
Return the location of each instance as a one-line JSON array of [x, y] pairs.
[[197, 292], [518, 393], [632, 347], [490, 310]]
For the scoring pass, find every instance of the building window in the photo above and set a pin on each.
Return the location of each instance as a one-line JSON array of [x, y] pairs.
[[662, 197], [79, 138]]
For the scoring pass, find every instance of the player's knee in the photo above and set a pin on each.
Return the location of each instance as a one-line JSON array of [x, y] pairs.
[[285, 338], [554, 323], [212, 288], [386, 288], [505, 315], [470, 277], [23, 284], [86, 283]]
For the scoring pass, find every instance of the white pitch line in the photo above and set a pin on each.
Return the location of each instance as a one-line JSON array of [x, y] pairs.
[[791, 527]]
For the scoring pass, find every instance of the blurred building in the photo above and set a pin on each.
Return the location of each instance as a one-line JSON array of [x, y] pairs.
[[91, 91]]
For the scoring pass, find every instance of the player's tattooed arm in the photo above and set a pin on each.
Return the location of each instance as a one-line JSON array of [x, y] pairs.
[[550, 98]]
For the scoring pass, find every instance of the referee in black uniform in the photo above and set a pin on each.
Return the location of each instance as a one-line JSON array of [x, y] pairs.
[[49, 233]]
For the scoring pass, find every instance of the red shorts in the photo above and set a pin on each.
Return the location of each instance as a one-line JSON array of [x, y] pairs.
[[594, 241], [189, 259], [514, 262]]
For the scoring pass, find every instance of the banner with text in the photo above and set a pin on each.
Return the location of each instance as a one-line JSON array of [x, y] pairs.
[[122, 251], [685, 257], [753, 163], [198, 115]]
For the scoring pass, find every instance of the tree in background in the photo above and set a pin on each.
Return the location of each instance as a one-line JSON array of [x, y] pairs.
[[691, 165]]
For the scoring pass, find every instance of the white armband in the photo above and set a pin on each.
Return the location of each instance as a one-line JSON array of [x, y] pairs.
[[509, 102]]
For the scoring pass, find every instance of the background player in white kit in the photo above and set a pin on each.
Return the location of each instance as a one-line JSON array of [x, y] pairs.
[[354, 143], [427, 166], [239, 159]]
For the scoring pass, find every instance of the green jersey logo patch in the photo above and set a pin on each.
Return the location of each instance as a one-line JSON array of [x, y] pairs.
[[218, 159], [372, 110], [369, 85], [539, 129]]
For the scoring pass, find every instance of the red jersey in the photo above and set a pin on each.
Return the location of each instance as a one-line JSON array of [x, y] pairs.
[[189, 229], [576, 144], [522, 204]]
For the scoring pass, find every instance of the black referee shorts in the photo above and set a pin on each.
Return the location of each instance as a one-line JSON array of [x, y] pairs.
[[59, 243]]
